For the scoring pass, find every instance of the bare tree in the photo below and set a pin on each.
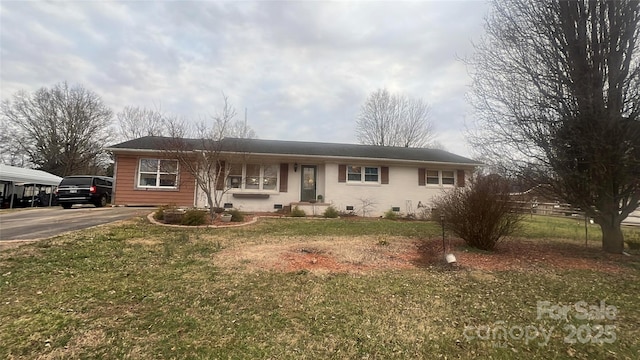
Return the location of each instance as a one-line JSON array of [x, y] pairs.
[[61, 130], [135, 122], [205, 156], [240, 130], [557, 93], [11, 152], [387, 119]]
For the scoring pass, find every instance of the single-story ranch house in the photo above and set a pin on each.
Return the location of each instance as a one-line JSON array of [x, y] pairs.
[[269, 175]]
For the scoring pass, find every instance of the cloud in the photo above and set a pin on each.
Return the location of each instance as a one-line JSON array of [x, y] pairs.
[[301, 69]]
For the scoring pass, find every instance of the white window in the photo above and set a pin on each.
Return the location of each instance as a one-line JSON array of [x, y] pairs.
[[253, 177], [158, 173], [354, 173], [269, 177], [234, 180], [433, 177], [447, 177], [440, 177], [363, 174]]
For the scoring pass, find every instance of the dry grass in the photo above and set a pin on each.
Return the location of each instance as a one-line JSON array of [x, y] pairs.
[[323, 254], [299, 289]]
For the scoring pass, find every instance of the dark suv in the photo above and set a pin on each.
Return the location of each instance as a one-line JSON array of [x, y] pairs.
[[84, 189]]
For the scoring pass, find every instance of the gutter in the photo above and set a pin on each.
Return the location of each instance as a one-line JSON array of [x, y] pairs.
[[294, 156]]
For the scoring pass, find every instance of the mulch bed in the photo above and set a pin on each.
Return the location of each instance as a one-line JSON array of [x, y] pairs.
[[521, 254], [217, 220], [511, 254]]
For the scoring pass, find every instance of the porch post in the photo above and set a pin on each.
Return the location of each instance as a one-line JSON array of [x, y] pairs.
[[13, 192]]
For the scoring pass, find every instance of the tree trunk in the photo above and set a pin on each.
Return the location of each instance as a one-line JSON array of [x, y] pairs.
[[213, 205], [612, 238]]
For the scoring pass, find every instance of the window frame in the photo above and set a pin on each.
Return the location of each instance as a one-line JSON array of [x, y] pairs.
[[260, 181], [435, 174], [363, 174], [452, 177], [158, 174], [441, 178], [229, 183], [351, 172]]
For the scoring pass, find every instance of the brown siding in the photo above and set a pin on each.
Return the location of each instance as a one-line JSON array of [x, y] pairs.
[[126, 192], [284, 177], [342, 173], [384, 176], [422, 181], [460, 178]]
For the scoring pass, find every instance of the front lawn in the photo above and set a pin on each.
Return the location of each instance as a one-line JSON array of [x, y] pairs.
[[296, 288]]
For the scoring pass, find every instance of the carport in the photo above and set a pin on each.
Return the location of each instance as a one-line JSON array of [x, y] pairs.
[[21, 187]]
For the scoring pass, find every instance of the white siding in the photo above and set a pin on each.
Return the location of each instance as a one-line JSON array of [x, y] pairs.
[[263, 205], [402, 191]]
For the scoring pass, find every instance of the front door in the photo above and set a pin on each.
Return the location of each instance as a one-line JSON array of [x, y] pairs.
[[308, 187]]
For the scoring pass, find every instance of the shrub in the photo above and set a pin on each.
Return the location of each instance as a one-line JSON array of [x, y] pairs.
[[236, 215], [349, 213], [632, 238], [297, 212], [424, 214], [481, 214], [194, 217], [159, 214], [411, 217], [434, 214], [172, 214], [633, 244], [390, 215], [331, 212]]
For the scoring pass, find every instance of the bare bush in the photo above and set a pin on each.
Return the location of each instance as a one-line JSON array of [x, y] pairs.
[[481, 213]]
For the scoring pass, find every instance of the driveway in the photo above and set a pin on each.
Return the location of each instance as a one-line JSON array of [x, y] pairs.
[[39, 223], [633, 219]]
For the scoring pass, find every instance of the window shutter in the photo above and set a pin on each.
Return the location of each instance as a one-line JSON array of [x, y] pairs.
[[460, 178], [384, 176], [422, 181], [284, 177], [221, 176], [342, 173]]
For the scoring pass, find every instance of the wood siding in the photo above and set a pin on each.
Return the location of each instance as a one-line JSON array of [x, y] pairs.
[[284, 177], [422, 181], [384, 176], [126, 191], [342, 173], [460, 178]]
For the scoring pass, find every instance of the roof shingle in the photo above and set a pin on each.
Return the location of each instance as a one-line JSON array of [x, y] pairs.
[[302, 148]]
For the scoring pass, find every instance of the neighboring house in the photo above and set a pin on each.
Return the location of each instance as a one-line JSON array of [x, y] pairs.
[[539, 193], [268, 175]]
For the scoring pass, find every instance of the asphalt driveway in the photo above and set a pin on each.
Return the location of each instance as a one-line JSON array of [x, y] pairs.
[[39, 223]]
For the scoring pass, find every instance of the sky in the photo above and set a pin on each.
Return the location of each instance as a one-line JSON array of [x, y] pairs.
[[300, 70]]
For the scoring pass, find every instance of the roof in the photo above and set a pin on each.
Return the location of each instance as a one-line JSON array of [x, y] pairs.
[[303, 148], [27, 176]]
